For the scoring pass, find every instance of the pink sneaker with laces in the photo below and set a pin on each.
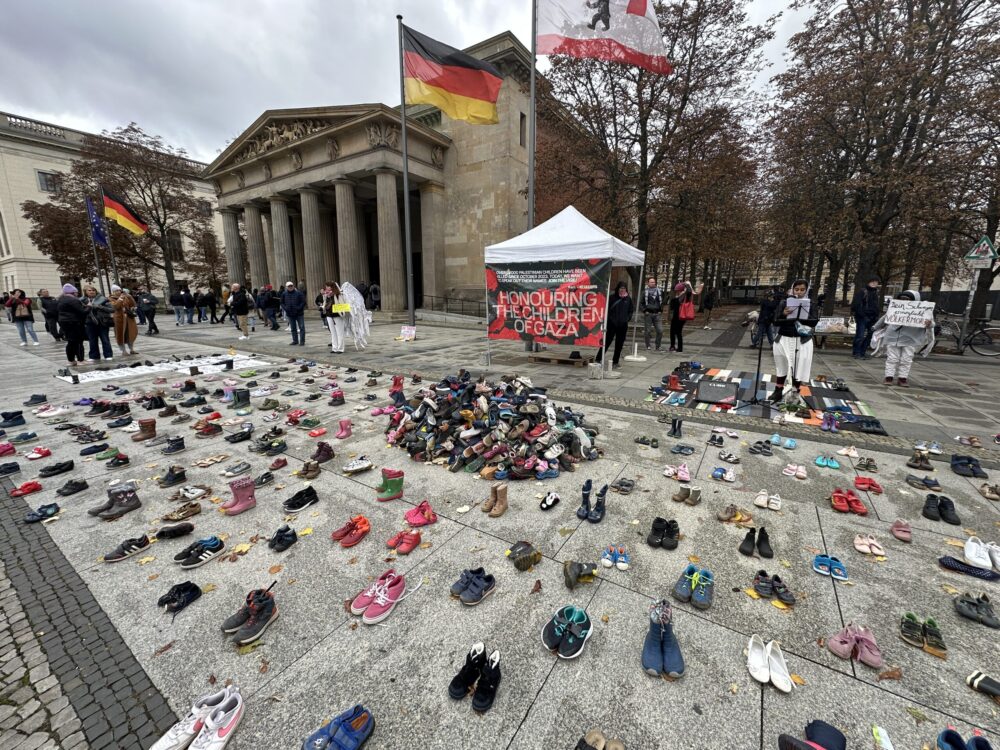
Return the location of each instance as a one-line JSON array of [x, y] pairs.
[[364, 599], [422, 515], [385, 600]]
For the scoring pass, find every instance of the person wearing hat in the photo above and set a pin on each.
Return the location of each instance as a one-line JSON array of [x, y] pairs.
[[239, 307], [72, 314], [866, 308], [681, 311], [293, 302], [126, 330], [651, 303]]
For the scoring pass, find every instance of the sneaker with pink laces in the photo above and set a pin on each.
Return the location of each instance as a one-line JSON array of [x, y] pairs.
[[385, 600], [422, 515], [364, 599]]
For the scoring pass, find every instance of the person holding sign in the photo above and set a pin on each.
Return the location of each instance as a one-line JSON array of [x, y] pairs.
[[906, 328], [793, 347], [333, 308]]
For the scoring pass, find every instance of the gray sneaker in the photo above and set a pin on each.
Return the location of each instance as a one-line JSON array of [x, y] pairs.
[[262, 611]]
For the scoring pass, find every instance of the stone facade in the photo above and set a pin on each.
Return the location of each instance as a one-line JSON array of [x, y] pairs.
[[32, 153], [319, 192]]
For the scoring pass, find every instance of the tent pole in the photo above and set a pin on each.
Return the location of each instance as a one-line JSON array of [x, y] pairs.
[[489, 350], [635, 356]]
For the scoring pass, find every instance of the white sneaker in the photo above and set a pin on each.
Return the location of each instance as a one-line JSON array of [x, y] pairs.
[[780, 676], [921, 446], [761, 500], [56, 411], [34, 343], [993, 549], [757, 662], [243, 338], [180, 735], [850, 451], [24, 343], [977, 554], [220, 724]]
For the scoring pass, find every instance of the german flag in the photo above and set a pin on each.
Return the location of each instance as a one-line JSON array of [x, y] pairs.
[[118, 210], [458, 84]]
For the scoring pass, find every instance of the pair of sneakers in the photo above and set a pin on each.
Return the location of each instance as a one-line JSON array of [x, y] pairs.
[[695, 586], [377, 601], [351, 729], [567, 632], [615, 557], [210, 723]]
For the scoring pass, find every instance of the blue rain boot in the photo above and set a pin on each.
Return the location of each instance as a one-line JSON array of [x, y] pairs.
[[673, 662], [652, 651]]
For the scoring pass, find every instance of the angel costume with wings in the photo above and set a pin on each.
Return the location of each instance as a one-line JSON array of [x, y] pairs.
[[358, 319]]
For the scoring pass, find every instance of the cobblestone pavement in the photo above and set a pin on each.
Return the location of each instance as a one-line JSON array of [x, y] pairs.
[[114, 671]]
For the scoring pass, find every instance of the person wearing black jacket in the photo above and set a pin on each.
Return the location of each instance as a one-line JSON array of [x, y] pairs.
[[866, 308], [188, 299], [50, 312], [239, 306], [177, 303], [208, 300], [765, 320], [793, 349], [293, 302], [147, 305], [71, 316], [651, 305], [620, 310]]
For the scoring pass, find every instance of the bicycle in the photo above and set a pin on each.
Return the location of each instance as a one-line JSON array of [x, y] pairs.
[[983, 338]]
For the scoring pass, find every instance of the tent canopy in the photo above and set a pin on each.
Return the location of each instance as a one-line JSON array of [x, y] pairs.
[[569, 235]]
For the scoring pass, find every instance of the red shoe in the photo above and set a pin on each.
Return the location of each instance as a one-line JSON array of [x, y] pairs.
[[26, 489], [318, 432], [874, 486], [278, 463], [297, 413], [839, 501], [861, 483], [422, 515], [394, 541], [855, 504], [38, 452], [346, 529], [7, 449], [411, 540], [359, 532], [538, 430], [212, 417], [674, 384]]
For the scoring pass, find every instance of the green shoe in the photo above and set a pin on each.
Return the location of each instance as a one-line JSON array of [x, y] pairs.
[[309, 422], [242, 412], [392, 489], [269, 403], [248, 373], [109, 453]]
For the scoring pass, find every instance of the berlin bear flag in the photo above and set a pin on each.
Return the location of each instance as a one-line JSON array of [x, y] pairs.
[[625, 31]]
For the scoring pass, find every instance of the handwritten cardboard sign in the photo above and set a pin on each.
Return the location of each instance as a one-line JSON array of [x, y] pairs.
[[904, 312], [826, 324], [408, 333], [343, 307]]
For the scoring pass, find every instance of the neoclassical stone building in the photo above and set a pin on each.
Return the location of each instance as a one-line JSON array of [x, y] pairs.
[[318, 192]]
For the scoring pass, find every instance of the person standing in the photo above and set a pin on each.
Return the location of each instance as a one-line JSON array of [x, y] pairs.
[[652, 312], [100, 318], [681, 311], [866, 308], [50, 312], [902, 343], [293, 302], [22, 315], [765, 320], [177, 303], [147, 309], [620, 310], [209, 301], [793, 348], [136, 294], [226, 309], [327, 299], [708, 302], [188, 305], [200, 306], [72, 315], [126, 330], [239, 309]]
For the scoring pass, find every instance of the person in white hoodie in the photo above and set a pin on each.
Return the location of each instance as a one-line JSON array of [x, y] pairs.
[[901, 343]]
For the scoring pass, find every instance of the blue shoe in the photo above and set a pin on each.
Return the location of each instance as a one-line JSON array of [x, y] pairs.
[[978, 742], [609, 557], [775, 439], [14, 421], [547, 474], [718, 473], [704, 590], [652, 647], [685, 584], [623, 561], [673, 661], [790, 444], [323, 738], [43, 513], [949, 739], [832, 463], [822, 461]]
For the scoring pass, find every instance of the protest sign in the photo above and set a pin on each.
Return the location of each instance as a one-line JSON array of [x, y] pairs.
[[904, 312]]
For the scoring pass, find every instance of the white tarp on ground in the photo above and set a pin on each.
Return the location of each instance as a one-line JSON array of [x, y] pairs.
[[569, 235], [207, 366]]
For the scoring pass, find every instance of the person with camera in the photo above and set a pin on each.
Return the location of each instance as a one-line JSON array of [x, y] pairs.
[[50, 312], [126, 330], [72, 316], [147, 309], [20, 311], [98, 322]]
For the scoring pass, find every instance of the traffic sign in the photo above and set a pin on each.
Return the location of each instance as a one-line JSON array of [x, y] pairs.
[[982, 255]]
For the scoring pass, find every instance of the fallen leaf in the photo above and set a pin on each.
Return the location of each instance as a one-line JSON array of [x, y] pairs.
[[153, 577], [223, 537], [896, 673], [694, 559], [566, 531], [811, 550], [426, 545], [955, 542], [212, 679], [244, 650], [734, 688], [255, 538], [949, 589], [163, 649], [463, 509], [352, 561], [264, 666], [275, 569], [208, 588], [290, 581], [242, 549], [779, 605], [354, 625], [785, 563], [290, 518], [605, 619], [146, 560], [347, 605], [971, 532], [306, 531], [821, 642], [751, 593], [797, 680], [918, 716], [215, 500], [537, 588]]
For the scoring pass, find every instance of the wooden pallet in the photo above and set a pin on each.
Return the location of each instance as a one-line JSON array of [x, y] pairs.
[[556, 359]]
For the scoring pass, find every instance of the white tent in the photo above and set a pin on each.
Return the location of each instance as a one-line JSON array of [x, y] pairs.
[[569, 235]]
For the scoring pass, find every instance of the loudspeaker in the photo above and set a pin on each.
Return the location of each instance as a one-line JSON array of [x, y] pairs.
[[714, 391]]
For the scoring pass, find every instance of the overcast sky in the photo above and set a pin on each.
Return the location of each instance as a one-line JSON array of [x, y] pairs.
[[198, 72]]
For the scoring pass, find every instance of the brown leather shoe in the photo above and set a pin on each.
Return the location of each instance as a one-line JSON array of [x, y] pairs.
[[487, 505]]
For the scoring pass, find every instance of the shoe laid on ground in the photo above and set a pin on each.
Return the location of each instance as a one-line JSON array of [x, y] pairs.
[[37, 453], [42, 513], [72, 487], [462, 683], [179, 596], [53, 469], [184, 512], [264, 479], [383, 600], [946, 508], [175, 531], [199, 553], [283, 538], [350, 729], [479, 588], [127, 548], [301, 500], [567, 632], [174, 445], [182, 734], [220, 725], [119, 461]]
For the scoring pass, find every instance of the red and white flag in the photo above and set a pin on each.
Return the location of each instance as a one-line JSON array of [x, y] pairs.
[[625, 31]]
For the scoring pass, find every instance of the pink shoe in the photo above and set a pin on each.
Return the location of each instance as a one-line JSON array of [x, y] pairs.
[[683, 473], [868, 651], [384, 601], [365, 598], [422, 515], [345, 429], [243, 496], [842, 644], [7, 449], [376, 411]]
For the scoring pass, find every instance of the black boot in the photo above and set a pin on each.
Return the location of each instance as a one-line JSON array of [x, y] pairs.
[[489, 681], [673, 428], [461, 684], [584, 510]]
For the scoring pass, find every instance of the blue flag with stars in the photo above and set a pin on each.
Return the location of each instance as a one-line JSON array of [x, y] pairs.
[[96, 226]]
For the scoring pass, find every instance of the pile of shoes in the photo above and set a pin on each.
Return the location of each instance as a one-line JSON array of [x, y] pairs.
[[503, 430]]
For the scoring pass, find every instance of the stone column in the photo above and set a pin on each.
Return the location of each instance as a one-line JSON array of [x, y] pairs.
[[353, 263], [432, 237], [284, 260], [312, 237], [327, 246], [392, 271], [255, 246], [300, 249], [272, 276], [231, 238]]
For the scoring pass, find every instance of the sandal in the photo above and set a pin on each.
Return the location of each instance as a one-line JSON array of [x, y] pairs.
[[821, 564], [839, 501], [911, 631], [206, 462], [877, 549], [838, 571], [625, 486], [774, 502], [642, 440], [933, 640], [756, 447], [761, 500], [550, 501], [728, 457]]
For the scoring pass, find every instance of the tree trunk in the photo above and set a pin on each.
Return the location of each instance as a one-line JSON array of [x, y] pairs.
[[836, 262], [817, 275], [847, 275]]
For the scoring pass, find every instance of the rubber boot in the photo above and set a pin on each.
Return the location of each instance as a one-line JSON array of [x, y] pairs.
[[336, 398], [675, 383], [652, 647], [194, 370], [345, 429], [584, 510], [227, 394], [500, 506], [677, 429], [673, 660], [241, 398], [393, 489], [147, 430], [673, 428], [243, 494], [124, 499], [577, 572], [397, 384], [227, 365], [388, 474]]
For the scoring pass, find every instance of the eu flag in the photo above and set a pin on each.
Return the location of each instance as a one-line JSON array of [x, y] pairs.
[[96, 226]]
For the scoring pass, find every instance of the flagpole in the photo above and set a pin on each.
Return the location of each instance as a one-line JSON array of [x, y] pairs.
[[531, 116], [406, 183], [97, 262], [107, 235]]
